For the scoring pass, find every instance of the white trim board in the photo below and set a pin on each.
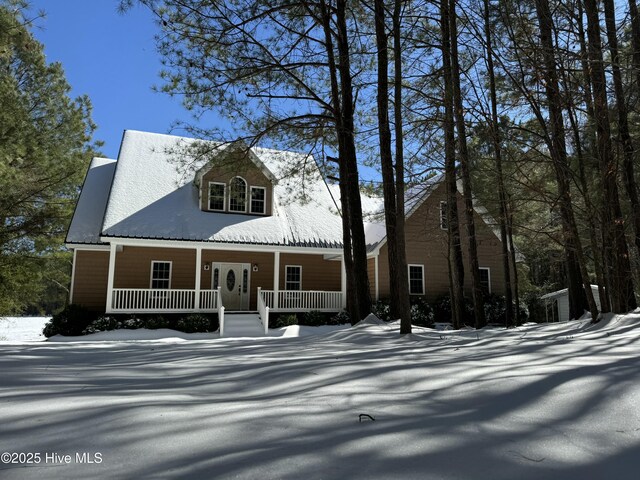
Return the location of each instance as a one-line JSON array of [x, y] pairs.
[[245, 247]]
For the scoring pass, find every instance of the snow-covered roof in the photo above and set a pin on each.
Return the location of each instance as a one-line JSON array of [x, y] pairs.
[[89, 213], [153, 197], [560, 293], [151, 193]]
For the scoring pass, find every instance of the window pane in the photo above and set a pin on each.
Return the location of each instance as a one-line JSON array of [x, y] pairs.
[[257, 200], [216, 196], [484, 280], [416, 286], [237, 195], [160, 274], [293, 278], [231, 280], [245, 280]]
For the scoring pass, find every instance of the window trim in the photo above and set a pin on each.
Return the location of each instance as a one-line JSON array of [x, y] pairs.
[[286, 267], [488, 269], [246, 186], [170, 262], [409, 265], [443, 218], [264, 200], [224, 197]]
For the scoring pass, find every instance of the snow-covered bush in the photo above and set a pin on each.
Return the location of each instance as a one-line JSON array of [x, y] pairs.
[[71, 321], [156, 321], [314, 318], [442, 310], [102, 324], [132, 323], [285, 320], [194, 323], [340, 318], [421, 312], [382, 310]]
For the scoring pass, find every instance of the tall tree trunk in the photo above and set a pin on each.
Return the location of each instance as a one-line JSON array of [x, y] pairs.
[[386, 162], [497, 152], [599, 260], [403, 274], [514, 263], [591, 216], [628, 173], [477, 293], [353, 305], [456, 264], [579, 288], [635, 43], [622, 295], [348, 155]]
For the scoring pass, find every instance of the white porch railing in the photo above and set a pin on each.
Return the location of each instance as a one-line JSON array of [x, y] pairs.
[[263, 309], [141, 300], [302, 300], [209, 299]]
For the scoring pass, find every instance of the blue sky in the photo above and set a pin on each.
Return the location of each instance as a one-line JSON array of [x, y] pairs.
[[112, 58]]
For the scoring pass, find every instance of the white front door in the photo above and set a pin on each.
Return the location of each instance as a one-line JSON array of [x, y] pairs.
[[233, 279]]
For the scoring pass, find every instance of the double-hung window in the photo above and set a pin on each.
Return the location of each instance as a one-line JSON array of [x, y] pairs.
[[160, 274], [258, 200], [416, 279], [216, 196], [485, 279], [293, 277], [238, 195]]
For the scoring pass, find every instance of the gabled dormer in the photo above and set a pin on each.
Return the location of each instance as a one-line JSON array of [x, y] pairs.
[[236, 181]]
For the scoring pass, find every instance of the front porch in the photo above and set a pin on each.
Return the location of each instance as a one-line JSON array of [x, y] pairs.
[[151, 300], [204, 280]]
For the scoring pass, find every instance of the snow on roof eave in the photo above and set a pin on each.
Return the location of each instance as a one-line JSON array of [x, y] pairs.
[[87, 245], [91, 204], [230, 147], [560, 293], [314, 245]]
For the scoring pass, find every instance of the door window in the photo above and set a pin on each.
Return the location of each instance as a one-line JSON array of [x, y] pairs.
[[231, 280]]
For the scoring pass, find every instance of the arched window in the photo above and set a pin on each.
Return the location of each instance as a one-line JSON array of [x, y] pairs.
[[238, 195]]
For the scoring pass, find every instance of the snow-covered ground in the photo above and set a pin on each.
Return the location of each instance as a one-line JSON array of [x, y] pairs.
[[22, 329], [557, 401], [29, 329]]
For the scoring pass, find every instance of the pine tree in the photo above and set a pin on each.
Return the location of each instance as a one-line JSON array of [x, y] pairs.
[[44, 150]]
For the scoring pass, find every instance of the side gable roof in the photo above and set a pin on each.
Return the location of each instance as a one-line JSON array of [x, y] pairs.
[[89, 212], [415, 197], [153, 197]]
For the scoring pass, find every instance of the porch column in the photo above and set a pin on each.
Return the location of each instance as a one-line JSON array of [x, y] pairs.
[[111, 276], [276, 278], [196, 304], [375, 275], [73, 274], [343, 282]]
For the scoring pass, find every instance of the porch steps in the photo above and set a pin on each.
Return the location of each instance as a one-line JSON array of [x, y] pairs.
[[243, 325]]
